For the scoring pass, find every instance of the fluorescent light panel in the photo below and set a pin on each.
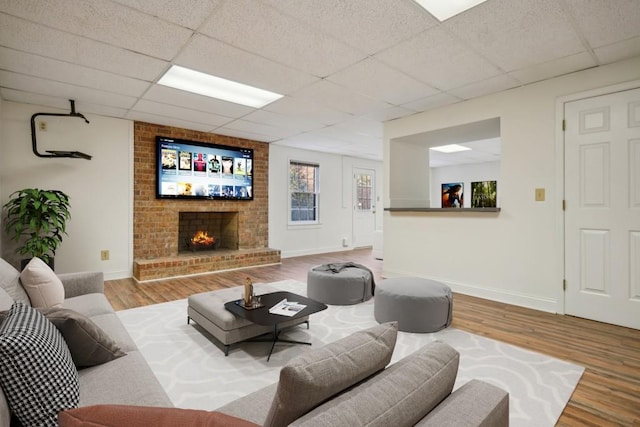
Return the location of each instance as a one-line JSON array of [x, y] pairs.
[[451, 148], [216, 87], [445, 9]]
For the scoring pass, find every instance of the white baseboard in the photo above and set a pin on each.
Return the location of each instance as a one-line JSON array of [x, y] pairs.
[[314, 251], [500, 295], [115, 275]]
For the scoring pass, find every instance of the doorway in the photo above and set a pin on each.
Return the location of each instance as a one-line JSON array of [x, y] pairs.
[[602, 214], [364, 209]]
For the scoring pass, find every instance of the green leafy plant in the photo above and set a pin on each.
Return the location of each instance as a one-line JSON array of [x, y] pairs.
[[40, 216]]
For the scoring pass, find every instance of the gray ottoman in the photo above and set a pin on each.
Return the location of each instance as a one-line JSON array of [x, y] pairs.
[[207, 310], [419, 305], [339, 284]]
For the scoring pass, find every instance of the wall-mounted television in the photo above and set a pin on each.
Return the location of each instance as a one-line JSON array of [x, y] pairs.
[[196, 170]]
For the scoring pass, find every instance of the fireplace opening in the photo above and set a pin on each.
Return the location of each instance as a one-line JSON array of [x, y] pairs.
[[207, 231]]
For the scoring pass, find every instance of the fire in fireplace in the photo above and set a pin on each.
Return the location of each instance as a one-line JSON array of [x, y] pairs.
[[201, 240]]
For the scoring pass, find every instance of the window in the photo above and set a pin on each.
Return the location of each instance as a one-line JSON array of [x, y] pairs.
[[363, 192], [303, 192]]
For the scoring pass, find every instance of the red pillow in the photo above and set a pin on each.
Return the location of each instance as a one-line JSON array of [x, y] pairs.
[[145, 416]]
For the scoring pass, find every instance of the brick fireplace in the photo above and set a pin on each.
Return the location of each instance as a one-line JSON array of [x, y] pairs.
[[242, 226]]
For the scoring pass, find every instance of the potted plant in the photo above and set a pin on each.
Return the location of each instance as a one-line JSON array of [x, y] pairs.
[[40, 216]]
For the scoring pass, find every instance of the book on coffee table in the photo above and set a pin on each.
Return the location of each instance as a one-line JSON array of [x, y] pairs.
[[287, 308]]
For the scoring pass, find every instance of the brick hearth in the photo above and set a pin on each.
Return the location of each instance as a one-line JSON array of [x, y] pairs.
[[155, 226]]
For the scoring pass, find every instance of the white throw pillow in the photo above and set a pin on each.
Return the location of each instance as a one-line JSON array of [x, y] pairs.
[[42, 285]]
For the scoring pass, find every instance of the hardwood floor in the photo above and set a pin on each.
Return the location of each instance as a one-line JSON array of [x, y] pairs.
[[608, 393]]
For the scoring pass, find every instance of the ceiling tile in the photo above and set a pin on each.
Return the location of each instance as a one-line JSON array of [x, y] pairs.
[[553, 68], [377, 80], [390, 114], [63, 103], [57, 89], [133, 30], [339, 98], [222, 60], [188, 13], [369, 25], [180, 98], [485, 87], [268, 132], [362, 126], [299, 108], [435, 101], [274, 119], [515, 34], [618, 51], [266, 31], [24, 63], [244, 134], [34, 98], [167, 121], [156, 108], [438, 59], [594, 18], [26, 36]]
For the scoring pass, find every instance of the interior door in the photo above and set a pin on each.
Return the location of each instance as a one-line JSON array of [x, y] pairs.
[[602, 215], [364, 209]]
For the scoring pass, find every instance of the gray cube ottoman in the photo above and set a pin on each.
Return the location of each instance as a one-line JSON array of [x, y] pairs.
[[207, 310], [340, 284], [418, 305]]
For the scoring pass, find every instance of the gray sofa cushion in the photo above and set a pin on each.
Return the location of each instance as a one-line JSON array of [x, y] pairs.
[[127, 380], [10, 282], [475, 404], [399, 396], [90, 304], [89, 345], [313, 377], [36, 370]]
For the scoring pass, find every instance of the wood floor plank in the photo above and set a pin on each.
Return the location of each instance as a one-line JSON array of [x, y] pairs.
[[608, 393]]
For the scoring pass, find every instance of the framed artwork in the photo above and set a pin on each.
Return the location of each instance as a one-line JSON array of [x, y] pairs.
[[484, 194], [453, 195]]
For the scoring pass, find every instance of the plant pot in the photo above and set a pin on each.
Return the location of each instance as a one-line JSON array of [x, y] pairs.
[[25, 261]]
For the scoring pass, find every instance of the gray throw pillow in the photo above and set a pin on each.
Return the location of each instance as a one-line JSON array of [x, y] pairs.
[[88, 343], [313, 377], [37, 374]]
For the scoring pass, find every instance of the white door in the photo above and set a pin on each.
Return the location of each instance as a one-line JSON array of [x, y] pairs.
[[364, 209], [602, 215]]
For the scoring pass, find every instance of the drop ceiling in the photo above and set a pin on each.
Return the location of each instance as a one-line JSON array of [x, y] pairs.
[[344, 66]]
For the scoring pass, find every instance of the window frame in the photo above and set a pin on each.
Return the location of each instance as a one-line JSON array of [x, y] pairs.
[[316, 193]]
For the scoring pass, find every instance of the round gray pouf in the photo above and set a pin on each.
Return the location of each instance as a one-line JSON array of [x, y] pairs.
[[348, 286], [418, 305]]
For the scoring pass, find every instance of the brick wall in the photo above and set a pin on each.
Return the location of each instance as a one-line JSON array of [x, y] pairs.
[[155, 222]]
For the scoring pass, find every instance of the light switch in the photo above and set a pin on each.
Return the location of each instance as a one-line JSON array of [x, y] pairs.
[[539, 194]]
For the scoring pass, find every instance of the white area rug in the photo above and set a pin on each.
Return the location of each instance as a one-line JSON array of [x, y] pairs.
[[196, 374]]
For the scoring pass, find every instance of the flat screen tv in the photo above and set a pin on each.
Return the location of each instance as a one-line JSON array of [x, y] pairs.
[[195, 170]]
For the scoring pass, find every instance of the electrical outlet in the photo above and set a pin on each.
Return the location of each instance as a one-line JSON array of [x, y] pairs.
[[539, 194], [104, 255]]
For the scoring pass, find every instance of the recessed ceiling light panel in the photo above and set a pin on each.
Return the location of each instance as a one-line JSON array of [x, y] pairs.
[[451, 148], [216, 87], [445, 9]]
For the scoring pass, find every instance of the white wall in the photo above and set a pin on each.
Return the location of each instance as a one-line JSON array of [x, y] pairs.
[[335, 202], [100, 190], [514, 256], [466, 174]]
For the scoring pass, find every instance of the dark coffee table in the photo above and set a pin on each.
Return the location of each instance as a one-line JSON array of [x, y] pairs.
[[261, 316]]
